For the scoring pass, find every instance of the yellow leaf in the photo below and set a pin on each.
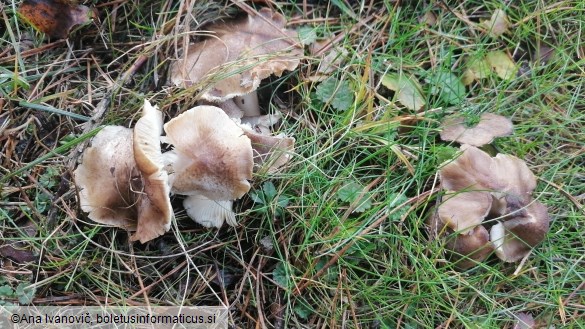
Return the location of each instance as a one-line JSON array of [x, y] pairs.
[[502, 64], [407, 90]]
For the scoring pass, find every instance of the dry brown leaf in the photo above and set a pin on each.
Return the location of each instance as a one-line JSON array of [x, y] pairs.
[[242, 53], [55, 18]]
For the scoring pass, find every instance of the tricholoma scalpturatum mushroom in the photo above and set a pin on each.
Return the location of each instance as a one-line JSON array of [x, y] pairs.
[[124, 180], [484, 192]]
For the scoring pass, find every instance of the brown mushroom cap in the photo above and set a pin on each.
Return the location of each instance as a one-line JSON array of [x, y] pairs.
[[212, 156], [476, 169], [243, 51], [107, 176], [490, 126], [209, 213], [514, 238], [121, 179], [468, 249], [463, 211]]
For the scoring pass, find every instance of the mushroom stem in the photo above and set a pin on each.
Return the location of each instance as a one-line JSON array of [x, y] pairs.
[[249, 104]]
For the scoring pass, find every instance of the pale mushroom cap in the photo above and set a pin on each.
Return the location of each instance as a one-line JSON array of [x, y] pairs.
[[247, 51], [212, 157], [106, 177], [467, 249], [476, 169], [155, 210], [490, 126], [209, 213], [514, 238], [147, 133], [465, 210], [273, 151]]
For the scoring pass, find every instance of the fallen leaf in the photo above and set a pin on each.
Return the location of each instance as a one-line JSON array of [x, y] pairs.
[[55, 18], [498, 24], [18, 254], [477, 69], [407, 90], [502, 64]]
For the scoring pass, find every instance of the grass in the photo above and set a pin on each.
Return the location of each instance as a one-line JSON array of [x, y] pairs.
[[370, 269]]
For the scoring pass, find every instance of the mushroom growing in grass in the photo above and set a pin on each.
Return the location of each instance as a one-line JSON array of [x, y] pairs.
[[121, 180], [211, 162], [486, 191], [229, 67], [490, 125], [241, 53]]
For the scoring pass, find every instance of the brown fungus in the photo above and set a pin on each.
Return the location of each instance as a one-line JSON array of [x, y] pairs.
[[242, 51], [496, 188], [490, 126], [121, 180]]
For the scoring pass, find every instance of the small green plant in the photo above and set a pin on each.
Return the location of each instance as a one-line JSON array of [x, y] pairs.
[[353, 191], [338, 93], [268, 198]]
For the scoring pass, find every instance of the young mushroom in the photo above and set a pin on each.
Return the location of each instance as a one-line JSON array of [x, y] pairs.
[[121, 180], [211, 160]]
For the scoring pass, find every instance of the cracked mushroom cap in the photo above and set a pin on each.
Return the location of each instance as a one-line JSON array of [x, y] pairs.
[[209, 213], [463, 211], [514, 238], [489, 127], [244, 51], [478, 170], [211, 157]]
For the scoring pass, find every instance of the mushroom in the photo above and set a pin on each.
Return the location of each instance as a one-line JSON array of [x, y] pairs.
[[490, 126], [466, 250], [485, 187], [515, 237], [209, 213], [267, 149], [242, 53], [463, 211], [505, 174], [211, 158], [121, 179]]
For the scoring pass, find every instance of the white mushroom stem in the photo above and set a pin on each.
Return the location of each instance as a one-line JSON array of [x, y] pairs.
[[249, 104]]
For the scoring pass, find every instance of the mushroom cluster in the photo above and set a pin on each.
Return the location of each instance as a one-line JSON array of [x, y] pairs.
[[126, 181], [484, 192]]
